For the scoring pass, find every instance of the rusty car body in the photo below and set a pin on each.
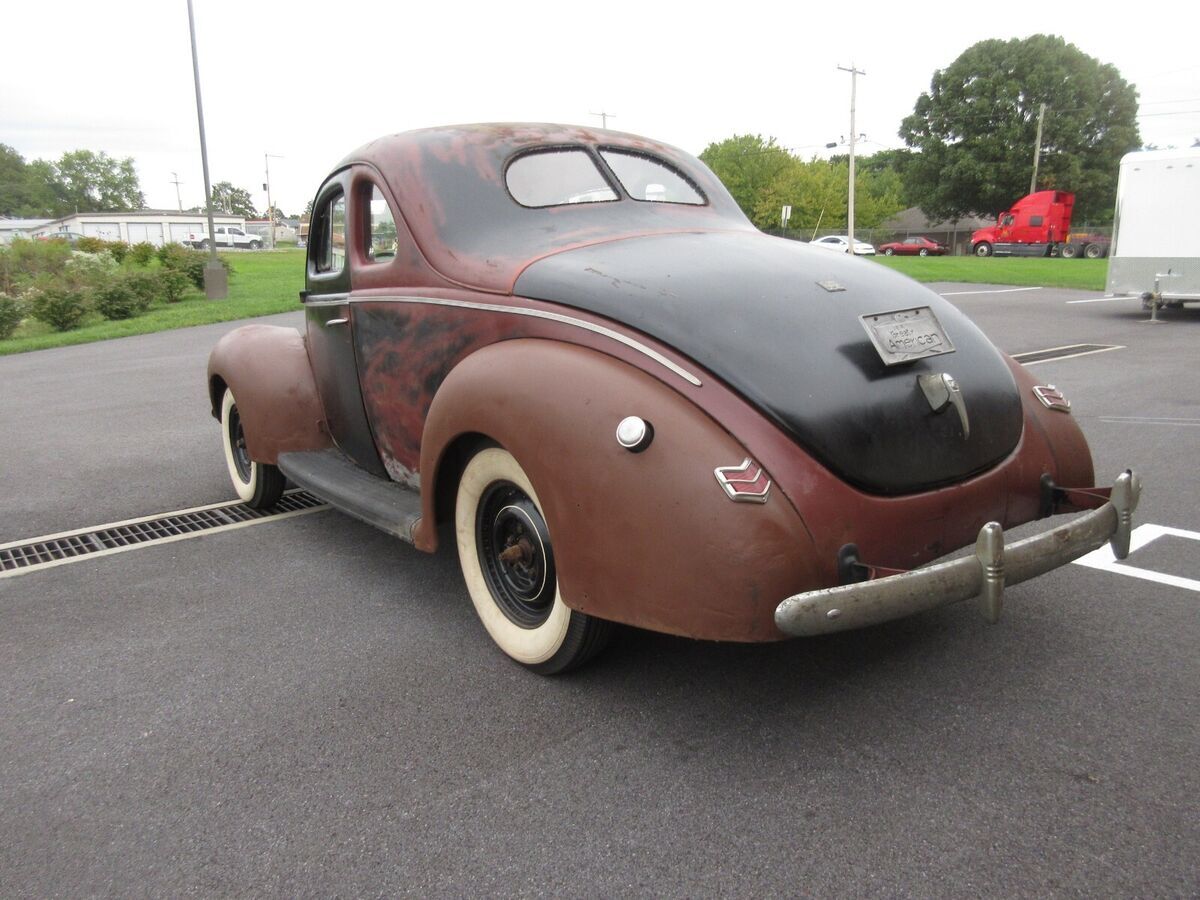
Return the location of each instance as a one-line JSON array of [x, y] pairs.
[[572, 348]]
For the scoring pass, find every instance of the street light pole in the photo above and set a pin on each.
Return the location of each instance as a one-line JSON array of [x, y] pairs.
[[216, 282], [267, 186], [176, 182], [603, 117], [854, 73]]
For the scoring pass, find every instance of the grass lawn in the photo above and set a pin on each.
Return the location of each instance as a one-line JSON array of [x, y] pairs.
[[266, 282], [262, 282], [1085, 274]]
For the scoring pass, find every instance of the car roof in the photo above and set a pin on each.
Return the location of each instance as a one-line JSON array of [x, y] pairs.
[[449, 184]]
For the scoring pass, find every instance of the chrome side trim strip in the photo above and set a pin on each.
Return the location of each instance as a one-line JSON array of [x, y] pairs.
[[532, 313]]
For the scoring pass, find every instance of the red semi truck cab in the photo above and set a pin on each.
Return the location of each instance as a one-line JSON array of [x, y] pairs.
[[1034, 226]]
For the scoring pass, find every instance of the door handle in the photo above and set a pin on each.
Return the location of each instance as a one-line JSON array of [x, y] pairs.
[[336, 322]]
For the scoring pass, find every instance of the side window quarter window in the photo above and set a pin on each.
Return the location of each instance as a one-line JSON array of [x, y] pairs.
[[381, 227]]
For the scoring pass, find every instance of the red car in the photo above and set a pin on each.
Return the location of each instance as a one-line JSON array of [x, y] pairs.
[[566, 355], [913, 246]]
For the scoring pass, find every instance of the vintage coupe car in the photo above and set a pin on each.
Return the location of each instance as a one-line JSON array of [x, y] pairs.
[[913, 246], [572, 349]]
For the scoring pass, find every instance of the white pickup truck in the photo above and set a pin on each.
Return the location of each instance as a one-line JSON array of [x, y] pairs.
[[225, 236]]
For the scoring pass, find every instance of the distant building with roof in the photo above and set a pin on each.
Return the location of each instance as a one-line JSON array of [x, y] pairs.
[[134, 226]]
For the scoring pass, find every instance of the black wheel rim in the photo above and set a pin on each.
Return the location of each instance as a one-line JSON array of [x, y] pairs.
[[515, 554], [237, 441]]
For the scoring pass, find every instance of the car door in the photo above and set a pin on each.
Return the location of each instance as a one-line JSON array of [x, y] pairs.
[[330, 327]]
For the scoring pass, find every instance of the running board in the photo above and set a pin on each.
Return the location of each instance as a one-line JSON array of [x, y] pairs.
[[356, 492]]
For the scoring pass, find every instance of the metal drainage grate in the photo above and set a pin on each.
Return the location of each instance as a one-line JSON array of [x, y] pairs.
[[1037, 356], [69, 546]]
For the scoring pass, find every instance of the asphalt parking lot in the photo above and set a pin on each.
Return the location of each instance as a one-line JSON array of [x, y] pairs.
[[307, 707]]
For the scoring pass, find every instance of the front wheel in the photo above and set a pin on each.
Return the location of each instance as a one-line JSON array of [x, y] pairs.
[[507, 560], [983, 248], [259, 485], [255, 245]]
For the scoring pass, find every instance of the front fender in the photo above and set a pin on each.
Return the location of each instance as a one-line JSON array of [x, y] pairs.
[[650, 538], [267, 369]]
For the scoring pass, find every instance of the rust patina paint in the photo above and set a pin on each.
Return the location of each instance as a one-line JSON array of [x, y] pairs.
[[650, 538], [268, 371]]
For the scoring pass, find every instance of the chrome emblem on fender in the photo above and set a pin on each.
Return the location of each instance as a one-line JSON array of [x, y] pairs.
[[746, 483], [1051, 397]]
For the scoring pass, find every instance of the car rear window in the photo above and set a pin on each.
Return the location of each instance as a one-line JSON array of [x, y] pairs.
[[555, 178], [647, 178]]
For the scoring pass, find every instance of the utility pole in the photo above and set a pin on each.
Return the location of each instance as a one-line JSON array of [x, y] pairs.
[[1037, 148], [267, 188], [854, 73], [177, 182], [603, 117], [216, 282]]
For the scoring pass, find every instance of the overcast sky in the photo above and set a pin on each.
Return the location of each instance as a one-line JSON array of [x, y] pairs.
[[312, 81]]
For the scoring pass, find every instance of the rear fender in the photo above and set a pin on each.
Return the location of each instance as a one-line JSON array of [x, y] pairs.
[[267, 369], [649, 538]]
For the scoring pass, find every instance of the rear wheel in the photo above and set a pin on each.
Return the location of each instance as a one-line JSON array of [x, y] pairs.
[[1069, 251], [259, 485], [1093, 251], [507, 559], [924, 251], [888, 252], [983, 248]]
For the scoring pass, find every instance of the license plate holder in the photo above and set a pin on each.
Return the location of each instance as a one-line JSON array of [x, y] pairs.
[[906, 335]]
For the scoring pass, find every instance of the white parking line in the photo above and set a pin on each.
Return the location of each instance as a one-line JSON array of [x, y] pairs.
[[1151, 420], [994, 291], [1104, 560], [1098, 300]]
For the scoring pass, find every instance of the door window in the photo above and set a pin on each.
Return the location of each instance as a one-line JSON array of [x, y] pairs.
[[330, 234]]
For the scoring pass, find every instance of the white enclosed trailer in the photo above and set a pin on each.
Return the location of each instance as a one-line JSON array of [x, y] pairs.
[[1156, 232]]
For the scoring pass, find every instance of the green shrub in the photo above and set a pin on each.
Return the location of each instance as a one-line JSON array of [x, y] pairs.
[[146, 286], [12, 311], [190, 262], [118, 249], [87, 271], [90, 245], [23, 261], [59, 308], [173, 284], [116, 300], [142, 253]]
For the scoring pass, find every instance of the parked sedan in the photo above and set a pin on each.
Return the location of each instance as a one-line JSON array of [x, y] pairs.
[[841, 243], [913, 246], [626, 404]]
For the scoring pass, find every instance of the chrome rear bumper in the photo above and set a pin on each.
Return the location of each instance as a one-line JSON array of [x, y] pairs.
[[984, 575]]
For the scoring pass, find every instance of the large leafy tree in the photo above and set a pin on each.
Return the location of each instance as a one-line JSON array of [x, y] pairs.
[[28, 190], [975, 128], [92, 182], [235, 201]]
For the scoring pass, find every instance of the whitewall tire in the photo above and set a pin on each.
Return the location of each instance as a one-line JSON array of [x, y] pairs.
[[259, 485], [507, 560]]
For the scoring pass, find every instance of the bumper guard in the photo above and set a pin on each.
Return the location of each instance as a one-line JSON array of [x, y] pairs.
[[984, 575]]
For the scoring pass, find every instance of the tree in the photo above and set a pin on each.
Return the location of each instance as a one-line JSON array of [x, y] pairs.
[[764, 177], [234, 201], [747, 165], [28, 190], [975, 128], [92, 182]]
